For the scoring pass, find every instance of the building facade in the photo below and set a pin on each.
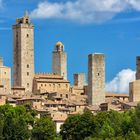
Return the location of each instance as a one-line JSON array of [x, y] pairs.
[[96, 79], [23, 53], [134, 91], [44, 82], [79, 79], [5, 77], [137, 67], [60, 60]]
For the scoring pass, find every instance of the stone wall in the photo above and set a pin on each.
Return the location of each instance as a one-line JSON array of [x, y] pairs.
[[23, 69], [96, 79]]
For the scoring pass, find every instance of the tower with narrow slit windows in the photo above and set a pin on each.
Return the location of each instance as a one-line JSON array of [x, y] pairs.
[[96, 79], [23, 53]]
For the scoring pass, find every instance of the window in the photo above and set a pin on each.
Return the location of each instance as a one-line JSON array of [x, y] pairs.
[[27, 65], [66, 95], [41, 85], [66, 85], [27, 35], [27, 73], [27, 84], [98, 74], [27, 21]]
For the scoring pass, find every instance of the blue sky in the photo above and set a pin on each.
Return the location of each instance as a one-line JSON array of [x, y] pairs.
[[111, 27]]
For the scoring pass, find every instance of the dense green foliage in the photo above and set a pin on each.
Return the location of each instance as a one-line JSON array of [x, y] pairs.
[[20, 123], [44, 129], [110, 125]]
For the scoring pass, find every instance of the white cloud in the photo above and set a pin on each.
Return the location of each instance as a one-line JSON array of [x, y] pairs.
[[120, 83], [85, 11]]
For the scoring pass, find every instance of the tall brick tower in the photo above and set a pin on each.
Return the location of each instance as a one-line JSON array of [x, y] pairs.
[[96, 79], [23, 67], [60, 60], [137, 67]]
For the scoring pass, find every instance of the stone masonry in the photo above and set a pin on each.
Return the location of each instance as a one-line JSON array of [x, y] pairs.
[[60, 60], [137, 67], [79, 79], [5, 76], [23, 67], [96, 79]]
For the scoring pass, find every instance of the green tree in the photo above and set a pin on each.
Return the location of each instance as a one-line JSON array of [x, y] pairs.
[[68, 129], [136, 119], [78, 127], [107, 131], [44, 129], [14, 123]]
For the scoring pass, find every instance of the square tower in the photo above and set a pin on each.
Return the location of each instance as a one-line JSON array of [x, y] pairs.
[[96, 79], [137, 67], [60, 60], [79, 79], [23, 53]]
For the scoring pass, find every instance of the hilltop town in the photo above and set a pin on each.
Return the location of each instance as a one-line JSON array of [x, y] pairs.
[[51, 93]]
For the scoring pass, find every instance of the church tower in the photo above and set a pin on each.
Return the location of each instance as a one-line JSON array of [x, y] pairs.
[[23, 55], [96, 79], [60, 60]]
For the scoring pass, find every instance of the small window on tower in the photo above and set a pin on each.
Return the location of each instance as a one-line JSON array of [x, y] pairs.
[[27, 21], [27, 73], [27, 65], [27, 84], [66, 85], [98, 74], [27, 35]]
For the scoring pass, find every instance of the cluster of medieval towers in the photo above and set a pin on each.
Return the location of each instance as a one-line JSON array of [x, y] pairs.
[[23, 63]]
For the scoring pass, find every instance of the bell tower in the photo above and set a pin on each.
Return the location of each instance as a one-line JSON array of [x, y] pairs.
[[60, 60]]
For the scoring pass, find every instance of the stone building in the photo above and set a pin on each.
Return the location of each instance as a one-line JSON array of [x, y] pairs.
[[44, 82], [96, 79], [5, 76], [79, 79], [60, 60], [137, 67], [134, 87], [23, 53], [134, 91]]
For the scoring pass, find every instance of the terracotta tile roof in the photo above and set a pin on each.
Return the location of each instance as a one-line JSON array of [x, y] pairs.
[[29, 98], [132, 104], [52, 80], [109, 94], [48, 75]]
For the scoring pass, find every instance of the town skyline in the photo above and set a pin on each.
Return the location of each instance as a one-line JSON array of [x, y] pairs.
[[119, 40]]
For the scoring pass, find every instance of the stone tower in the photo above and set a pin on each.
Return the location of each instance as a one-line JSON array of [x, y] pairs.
[[23, 67], [137, 67], [60, 60], [79, 79], [96, 79]]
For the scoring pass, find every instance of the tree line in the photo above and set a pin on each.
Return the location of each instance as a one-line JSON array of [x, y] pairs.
[[21, 123], [110, 125]]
